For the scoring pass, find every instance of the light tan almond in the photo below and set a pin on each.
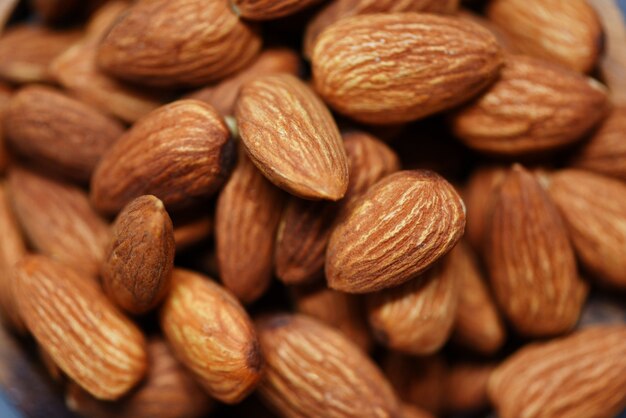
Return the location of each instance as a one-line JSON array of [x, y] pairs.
[[269, 9]]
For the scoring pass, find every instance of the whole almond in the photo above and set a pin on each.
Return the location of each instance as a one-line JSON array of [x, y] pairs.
[[268, 9], [138, 266], [394, 232], [345, 384], [212, 335], [466, 386], [582, 375], [530, 260], [387, 68], [178, 43], [292, 138], [179, 153], [95, 345], [534, 106]]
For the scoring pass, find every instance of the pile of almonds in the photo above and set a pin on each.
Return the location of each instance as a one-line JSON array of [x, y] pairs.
[[310, 209]]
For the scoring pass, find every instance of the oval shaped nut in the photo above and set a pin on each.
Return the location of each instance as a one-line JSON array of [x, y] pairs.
[[583, 374], [178, 43], [212, 335], [292, 138], [567, 32], [53, 129], [534, 107], [416, 317], [530, 260], [394, 232], [138, 266], [314, 371], [95, 345], [179, 153], [398, 67], [268, 9]]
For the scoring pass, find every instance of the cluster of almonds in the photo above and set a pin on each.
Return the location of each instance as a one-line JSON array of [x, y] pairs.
[[139, 137]]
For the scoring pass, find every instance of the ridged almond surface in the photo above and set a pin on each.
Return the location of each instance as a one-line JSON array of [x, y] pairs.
[[534, 106], [58, 220], [594, 209], [579, 376], [137, 269], [269, 9], [51, 128], [530, 259], [179, 153], [292, 138], [394, 232], [313, 371], [564, 31], [466, 386], [212, 335], [246, 218], [94, 344], [178, 43], [398, 67]]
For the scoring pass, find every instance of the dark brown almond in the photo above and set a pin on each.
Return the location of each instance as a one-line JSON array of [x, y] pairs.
[[269, 9]]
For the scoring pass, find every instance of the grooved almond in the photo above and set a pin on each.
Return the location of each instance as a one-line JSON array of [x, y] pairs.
[[292, 138], [95, 345], [394, 232], [269, 9]]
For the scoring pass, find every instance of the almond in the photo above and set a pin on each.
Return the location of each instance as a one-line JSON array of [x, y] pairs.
[[506, 43], [5, 98], [394, 232], [179, 153], [104, 17], [388, 68], [410, 411], [268, 9], [95, 345], [582, 375], [212, 335], [535, 106], [292, 138], [178, 43], [192, 231], [530, 260], [466, 387], [298, 383]]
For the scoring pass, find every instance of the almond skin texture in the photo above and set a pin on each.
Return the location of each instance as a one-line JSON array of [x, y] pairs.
[[138, 266], [530, 260], [94, 344], [579, 376], [292, 138], [399, 228], [178, 43], [398, 67], [50, 128], [268, 9], [563, 31], [534, 106], [594, 211], [58, 220], [246, 218], [178, 153], [344, 385], [212, 335]]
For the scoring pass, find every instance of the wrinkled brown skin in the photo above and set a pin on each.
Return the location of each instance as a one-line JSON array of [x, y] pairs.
[[269, 9], [137, 269]]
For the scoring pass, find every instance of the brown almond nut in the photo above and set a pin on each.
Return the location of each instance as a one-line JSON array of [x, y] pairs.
[[394, 232], [58, 220], [566, 32], [506, 43], [389, 68], [344, 385], [594, 211], [212, 335], [246, 218], [51, 128], [190, 232], [168, 391], [268, 9], [137, 268], [94, 344], [292, 138], [417, 316], [535, 106], [104, 17], [178, 43], [530, 260], [466, 387], [340, 9], [179, 153], [26, 51], [582, 375], [223, 95]]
